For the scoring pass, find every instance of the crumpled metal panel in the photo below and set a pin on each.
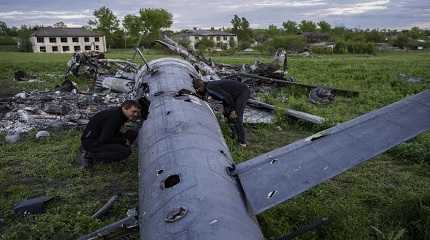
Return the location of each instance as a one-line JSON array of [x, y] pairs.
[[283, 173]]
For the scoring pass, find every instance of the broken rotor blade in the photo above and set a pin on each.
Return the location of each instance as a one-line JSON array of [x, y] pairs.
[[279, 175], [340, 92], [308, 117]]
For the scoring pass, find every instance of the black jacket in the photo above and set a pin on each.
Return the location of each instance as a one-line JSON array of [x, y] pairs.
[[227, 91], [104, 128]]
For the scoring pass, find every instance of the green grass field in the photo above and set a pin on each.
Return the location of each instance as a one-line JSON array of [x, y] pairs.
[[386, 197]]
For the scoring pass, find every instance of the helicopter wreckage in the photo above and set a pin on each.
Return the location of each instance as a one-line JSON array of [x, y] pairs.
[[189, 185], [114, 81]]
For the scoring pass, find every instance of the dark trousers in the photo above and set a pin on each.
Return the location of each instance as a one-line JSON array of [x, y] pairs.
[[108, 153], [236, 125]]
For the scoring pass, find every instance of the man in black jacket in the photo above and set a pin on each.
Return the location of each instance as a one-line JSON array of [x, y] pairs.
[[234, 96], [102, 139]]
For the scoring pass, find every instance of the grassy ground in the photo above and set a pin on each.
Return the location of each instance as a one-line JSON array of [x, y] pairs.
[[384, 197]]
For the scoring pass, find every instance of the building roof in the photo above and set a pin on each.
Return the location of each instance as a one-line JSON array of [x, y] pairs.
[[203, 32], [64, 32]]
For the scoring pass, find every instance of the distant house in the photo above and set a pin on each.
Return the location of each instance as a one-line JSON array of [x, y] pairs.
[[386, 47], [221, 39], [329, 46], [67, 40], [421, 44]]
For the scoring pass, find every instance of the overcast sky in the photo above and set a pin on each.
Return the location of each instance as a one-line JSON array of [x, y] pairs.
[[217, 13]]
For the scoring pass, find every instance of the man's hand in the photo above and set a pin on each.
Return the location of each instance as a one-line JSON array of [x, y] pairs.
[[233, 115]]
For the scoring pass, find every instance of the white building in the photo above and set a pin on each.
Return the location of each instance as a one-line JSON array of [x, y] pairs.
[[221, 39], [67, 40]]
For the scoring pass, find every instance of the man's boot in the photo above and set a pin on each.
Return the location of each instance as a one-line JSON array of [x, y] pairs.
[[84, 160]]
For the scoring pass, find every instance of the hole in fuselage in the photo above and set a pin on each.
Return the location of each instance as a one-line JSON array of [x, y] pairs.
[[158, 93], [171, 181], [168, 112], [272, 194], [159, 172], [144, 103]]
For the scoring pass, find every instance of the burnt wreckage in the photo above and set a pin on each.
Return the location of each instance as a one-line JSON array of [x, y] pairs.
[[189, 185]]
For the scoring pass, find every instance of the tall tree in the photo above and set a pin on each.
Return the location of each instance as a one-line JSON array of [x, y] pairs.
[[415, 33], [307, 26], [152, 20], [324, 26], [241, 28], [290, 27], [273, 31], [132, 25], [24, 43], [3, 29], [105, 22]]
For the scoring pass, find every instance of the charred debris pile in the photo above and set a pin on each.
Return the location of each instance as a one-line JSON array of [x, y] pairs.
[[114, 81]]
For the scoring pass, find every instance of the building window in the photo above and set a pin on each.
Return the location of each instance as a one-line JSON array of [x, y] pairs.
[[40, 39], [77, 48], [75, 39], [218, 38], [96, 39], [86, 39], [55, 48], [52, 40], [225, 37], [42, 49], [87, 48], [97, 47], [197, 38], [66, 48], [64, 39]]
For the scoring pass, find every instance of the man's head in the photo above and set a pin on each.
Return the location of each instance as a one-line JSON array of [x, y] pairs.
[[131, 109], [199, 85]]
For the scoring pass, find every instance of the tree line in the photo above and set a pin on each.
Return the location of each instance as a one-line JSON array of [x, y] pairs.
[[149, 23]]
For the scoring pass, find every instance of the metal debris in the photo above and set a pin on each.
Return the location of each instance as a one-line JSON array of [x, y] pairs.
[[53, 110], [106, 207], [257, 76], [23, 76], [42, 135], [121, 229], [321, 95], [67, 86], [411, 79], [31, 206], [254, 116], [108, 73], [13, 137], [270, 109]]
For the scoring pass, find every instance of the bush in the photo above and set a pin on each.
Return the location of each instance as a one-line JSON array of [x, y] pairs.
[[321, 50], [340, 47], [354, 47], [414, 215], [415, 151], [289, 42], [204, 44], [7, 41], [244, 44]]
